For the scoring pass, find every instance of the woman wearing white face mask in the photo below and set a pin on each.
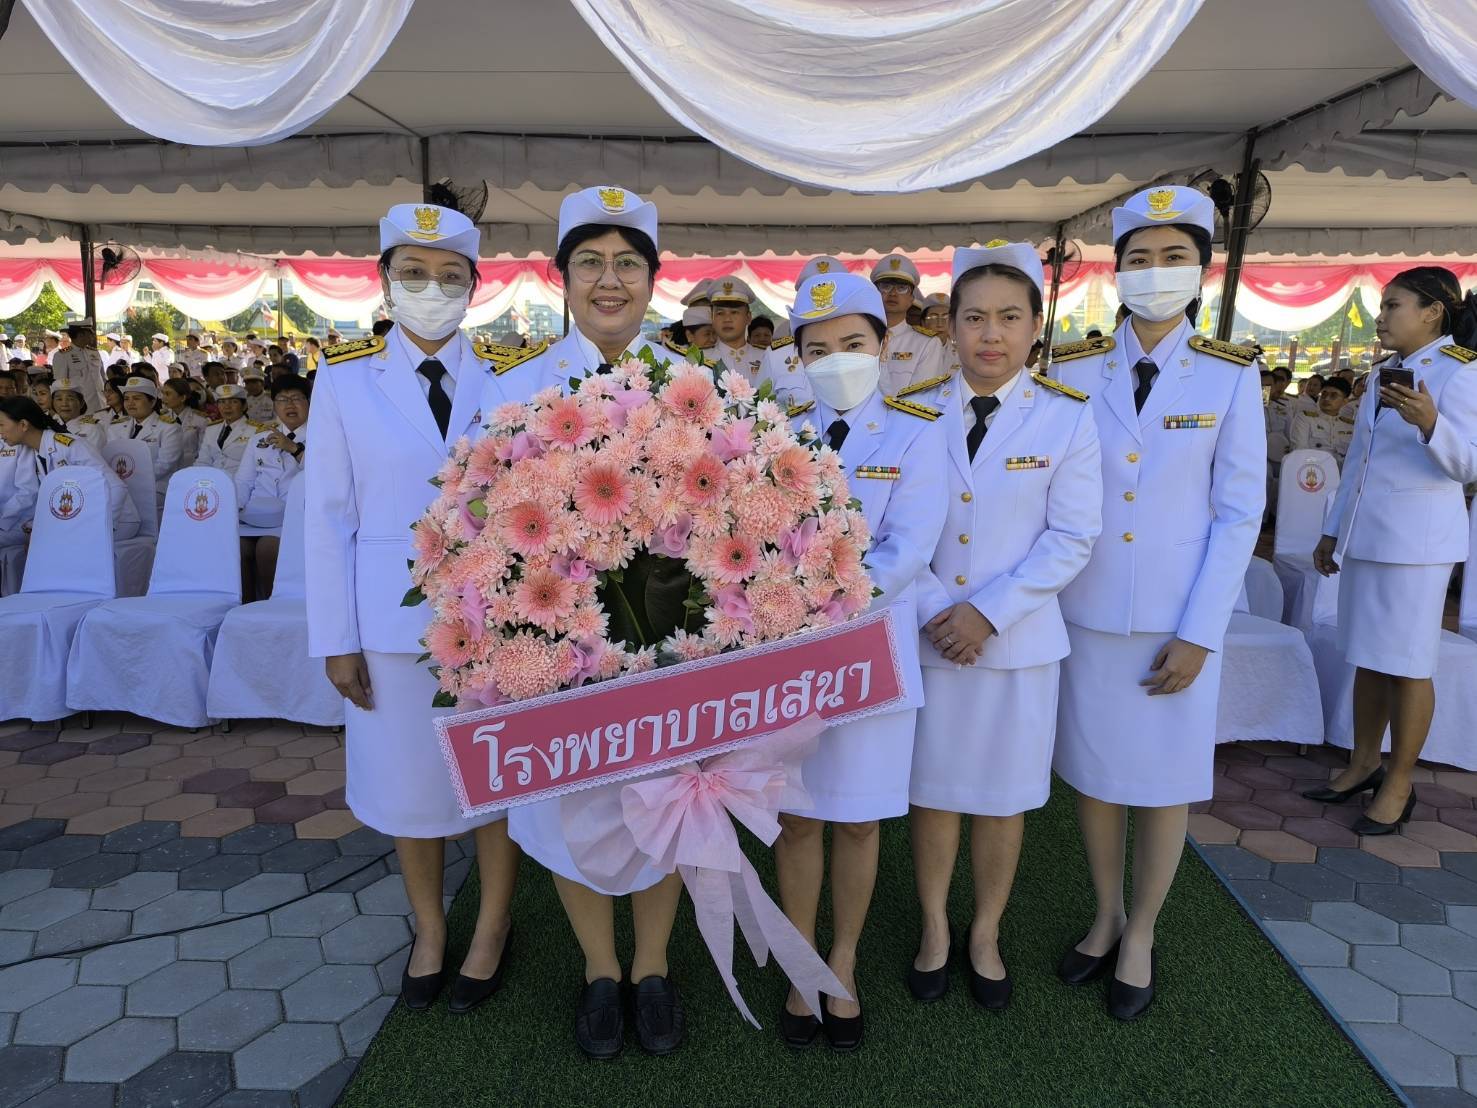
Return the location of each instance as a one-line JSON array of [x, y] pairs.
[[892, 452], [385, 412], [1184, 471]]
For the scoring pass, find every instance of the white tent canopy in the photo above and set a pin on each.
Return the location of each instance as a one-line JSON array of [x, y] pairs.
[[1364, 155]]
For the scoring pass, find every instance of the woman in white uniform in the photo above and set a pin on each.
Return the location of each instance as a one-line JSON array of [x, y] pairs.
[[147, 422], [1025, 496], [70, 406], [1397, 527], [181, 402], [1184, 450], [608, 260], [892, 452], [385, 411]]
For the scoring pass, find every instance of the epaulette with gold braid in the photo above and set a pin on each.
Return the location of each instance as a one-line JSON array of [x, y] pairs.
[[1056, 386], [1086, 348], [924, 386], [1460, 353], [354, 348], [166, 416], [504, 358], [1226, 351], [778, 343], [924, 331], [63, 440], [799, 409], [693, 354], [913, 408]]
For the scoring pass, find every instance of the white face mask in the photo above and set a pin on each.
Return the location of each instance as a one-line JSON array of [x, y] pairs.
[[1158, 294], [427, 313], [843, 380]]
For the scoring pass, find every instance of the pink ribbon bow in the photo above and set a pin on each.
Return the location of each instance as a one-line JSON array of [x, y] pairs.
[[679, 821]]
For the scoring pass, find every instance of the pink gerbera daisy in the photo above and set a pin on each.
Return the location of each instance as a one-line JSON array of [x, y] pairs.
[[525, 528], [603, 493], [703, 481], [793, 468], [544, 598], [734, 557], [692, 397], [450, 643], [563, 424]]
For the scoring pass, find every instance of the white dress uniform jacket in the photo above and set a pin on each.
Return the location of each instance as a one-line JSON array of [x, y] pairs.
[[525, 371], [223, 444], [913, 355], [1316, 431], [89, 430], [263, 476], [260, 409], [17, 497], [783, 369], [193, 424], [746, 359], [192, 360], [83, 366], [165, 439]]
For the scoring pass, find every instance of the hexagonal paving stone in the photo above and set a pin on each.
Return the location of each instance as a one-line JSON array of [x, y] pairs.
[[181, 806], [146, 794], [1278, 846], [366, 840], [121, 743], [179, 769], [290, 809], [223, 871], [1401, 904], [218, 822], [1447, 1022], [257, 839], [299, 856], [19, 883], [287, 1056], [229, 1020], [1444, 885], [1308, 945], [185, 908], [32, 982], [59, 851], [1410, 1059], [181, 1080], [331, 993], [25, 1070], [54, 753], [111, 780], [348, 874], [358, 1030], [135, 890], [95, 871], [1402, 970], [1237, 863], [15, 946], [1446, 945], [316, 782], [224, 940], [43, 909], [316, 915], [385, 897], [1463, 917], [265, 891], [216, 780], [366, 939], [1440, 836], [1313, 881], [275, 963], [1464, 987], [66, 807], [1362, 867], [70, 1015], [325, 1089], [125, 963], [85, 929], [29, 833], [139, 837], [1355, 924], [178, 854], [281, 769], [1319, 831], [120, 1050], [1400, 850], [1353, 996], [176, 988]]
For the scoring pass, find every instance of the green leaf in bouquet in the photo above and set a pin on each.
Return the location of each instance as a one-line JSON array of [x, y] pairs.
[[478, 508], [443, 699], [765, 391], [668, 586], [426, 657], [574, 384], [435, 481], [412, 597]]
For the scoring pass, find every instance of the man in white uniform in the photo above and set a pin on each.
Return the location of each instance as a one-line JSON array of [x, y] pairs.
[[191, 357], [80, 362], [225, 440], [259, 404], [160, 356], [1325, 429], [731, 302], [912, 354]]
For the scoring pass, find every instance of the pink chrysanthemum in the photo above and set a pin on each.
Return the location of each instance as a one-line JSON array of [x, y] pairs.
[[525, 529], [603, 493], [778, 607], [524, 666]]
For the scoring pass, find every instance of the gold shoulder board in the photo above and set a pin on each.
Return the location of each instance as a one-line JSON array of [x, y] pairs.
[[65, 440], [780, 343], [800, 409], [166, 416], [1056, 386], [924, 331], [1460, 353], [924, 386], [504, 358], [913, 408], [355, 348], [1086, 348], [87, 419], [691, 354], [1226, 351]]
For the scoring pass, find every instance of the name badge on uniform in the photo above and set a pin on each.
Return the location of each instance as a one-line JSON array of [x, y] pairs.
[[880, 473], [263, 444], [1031, 461], [7, 452], [902, 355], [1189, 422]]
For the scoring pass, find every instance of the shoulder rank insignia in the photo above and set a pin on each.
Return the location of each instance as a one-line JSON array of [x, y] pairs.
[[86, 419], [1226, 351], [913, 408], [924, 331], [880, 473], [1084, 349], [504, 358], [166, 416], [693, 354], [354, 348], [924, 386], [64, 440], [777, 344], [1056, 386], [1460, 353], [799, 409]]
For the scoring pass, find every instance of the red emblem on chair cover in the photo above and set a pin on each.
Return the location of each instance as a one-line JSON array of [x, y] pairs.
[[202, 501], [66, 500], [123, 467], [1312, 478]]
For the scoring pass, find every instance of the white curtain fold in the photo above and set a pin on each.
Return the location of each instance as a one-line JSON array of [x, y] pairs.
[[218, 74], [1440, 36]]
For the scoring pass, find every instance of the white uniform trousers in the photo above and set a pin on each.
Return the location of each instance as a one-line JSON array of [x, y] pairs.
[[1390, 616]]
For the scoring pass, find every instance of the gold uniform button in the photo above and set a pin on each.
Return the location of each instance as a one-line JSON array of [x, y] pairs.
[[1128, 536], [1128, 496], [1133, 457], [964, 540], [960, 579], [966, 496]]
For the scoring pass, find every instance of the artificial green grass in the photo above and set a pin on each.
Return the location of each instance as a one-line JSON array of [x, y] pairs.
[[1231, 1024]]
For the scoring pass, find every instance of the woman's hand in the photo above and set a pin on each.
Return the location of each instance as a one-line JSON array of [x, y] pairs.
[[1175, 668], [959, 633], [349, 674], [1416, 406], [1323, 556]]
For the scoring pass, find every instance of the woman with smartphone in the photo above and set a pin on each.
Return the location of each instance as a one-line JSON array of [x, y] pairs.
[[1398, 526]]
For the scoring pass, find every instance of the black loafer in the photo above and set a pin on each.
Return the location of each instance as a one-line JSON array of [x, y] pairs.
[[842, 1033], [600, 1021], [930, 985], [1077, 968], [661, 1021], [1129, 1002], [988, 992], [468, 992], [419, 993], [1326, 795], [798, 1031]]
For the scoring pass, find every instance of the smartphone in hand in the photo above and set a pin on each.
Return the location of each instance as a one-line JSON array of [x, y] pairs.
[[1393, 376]]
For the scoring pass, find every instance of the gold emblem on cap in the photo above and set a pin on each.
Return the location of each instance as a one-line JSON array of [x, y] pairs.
[[894, 263], [823, 297], [996, 244], [1161, 201], [427, 223], [823, 267], [728, 288], [613, 200]]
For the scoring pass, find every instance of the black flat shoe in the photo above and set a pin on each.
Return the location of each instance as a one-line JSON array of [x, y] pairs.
[[930, 985], [798, 1031], [661, 1021], [468, 992], [1366, 826], [1077, 968], [419, 993], [1325, 795], [1129, 1002], [988, 992], [842, 1033], [600, 1020]]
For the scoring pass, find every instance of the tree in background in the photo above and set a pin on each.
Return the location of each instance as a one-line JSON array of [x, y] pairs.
[[1324, 334], [143, 323], [48, 313]]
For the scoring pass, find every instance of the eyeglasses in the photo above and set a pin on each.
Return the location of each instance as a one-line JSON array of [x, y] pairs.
[[590, 267], [415, 278], [935, 317], [893, 286]]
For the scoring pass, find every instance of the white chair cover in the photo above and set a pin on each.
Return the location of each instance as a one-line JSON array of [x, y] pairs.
[[1269, 686], [261, 668], [1468, 617], [168, 635], [12, 568], [1305, 490], [1453, 737], [1263, 590], [134, 557], [71, 574]]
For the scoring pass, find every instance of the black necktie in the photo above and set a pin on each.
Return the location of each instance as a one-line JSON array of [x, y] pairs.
[[1145, 371], [220, 441], [604, 367], [137, 427], [836, 433], [983, 406], [40, 461], [433, 371]]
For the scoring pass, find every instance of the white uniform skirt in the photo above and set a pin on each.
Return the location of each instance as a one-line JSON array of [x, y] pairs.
[[1118, 744], [1390, 616], [397, 782], [539, 830], [860, 770], [985, 739]]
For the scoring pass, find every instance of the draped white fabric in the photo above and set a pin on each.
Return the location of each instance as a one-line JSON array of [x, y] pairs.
[[217, 74], [1440, 36], [893, 97]]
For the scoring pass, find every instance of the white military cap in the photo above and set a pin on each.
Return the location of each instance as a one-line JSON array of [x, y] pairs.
[[730, 290], [896, 267], [1165, 205], [4, 337], [253, 374], [828, 296], [52, 334], [429, 225], [609, 205], [141, 384], [1017, 255], [819, 265], [698, 292], [937, 300], [229, 392], [66, 384], [257, 342], [159, 336], [697, 317], [114, 336]]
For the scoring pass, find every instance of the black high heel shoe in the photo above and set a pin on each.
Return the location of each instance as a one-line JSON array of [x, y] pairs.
[[1366, 826], [1129, 1002], [988, 992], [844, 1033], [1077, 968], [930, 985], [1325, 795], [419, 993], [798, 1032], [468, 992]]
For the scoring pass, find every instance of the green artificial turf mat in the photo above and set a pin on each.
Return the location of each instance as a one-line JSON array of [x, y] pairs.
[[1231, 1025]]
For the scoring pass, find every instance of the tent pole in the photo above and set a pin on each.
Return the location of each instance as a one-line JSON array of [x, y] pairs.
[[1044, 361], [89, 280], [1236, 238], [425, 169], [279, 311]]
